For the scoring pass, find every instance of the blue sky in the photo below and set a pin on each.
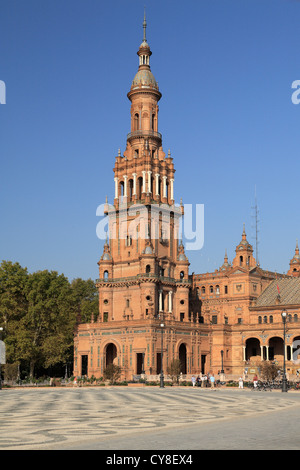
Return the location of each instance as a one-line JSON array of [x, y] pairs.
[[225, 69]]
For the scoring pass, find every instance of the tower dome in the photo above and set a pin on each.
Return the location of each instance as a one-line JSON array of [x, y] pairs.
[[144, 78]]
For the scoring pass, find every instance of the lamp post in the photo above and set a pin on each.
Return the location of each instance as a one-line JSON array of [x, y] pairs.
[[222, 370], [162, 345], [284, 381]]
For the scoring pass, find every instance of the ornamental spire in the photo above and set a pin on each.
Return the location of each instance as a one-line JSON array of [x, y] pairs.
[[144, 25]]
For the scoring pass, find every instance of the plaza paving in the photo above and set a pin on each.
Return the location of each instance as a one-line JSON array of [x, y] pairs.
[[116, 418]]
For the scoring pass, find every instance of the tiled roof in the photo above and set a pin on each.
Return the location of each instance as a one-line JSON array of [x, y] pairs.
[[289, 290]]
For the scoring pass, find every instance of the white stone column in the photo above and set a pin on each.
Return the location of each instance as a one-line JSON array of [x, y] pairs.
[[160, 301], [144, 181], [244, 353], [116, 188], [172, 188], [262, 353], [149, 181], [157, 184], [134, 184]]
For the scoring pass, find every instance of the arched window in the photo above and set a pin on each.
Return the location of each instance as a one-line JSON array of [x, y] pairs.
[[130, 182], [136, 122], [203, 289], [211, 289], [105, 274], [217, 289], [148, 268], [241, 260], [259, 319], [295, 318], [181, 274], [140, 187]]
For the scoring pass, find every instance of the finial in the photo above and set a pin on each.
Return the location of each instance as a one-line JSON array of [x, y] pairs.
[[144, 25], [119, 153]]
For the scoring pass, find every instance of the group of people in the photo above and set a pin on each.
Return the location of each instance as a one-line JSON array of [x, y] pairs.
[[203, 380]]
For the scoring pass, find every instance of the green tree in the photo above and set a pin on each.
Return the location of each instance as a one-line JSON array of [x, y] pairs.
[[39, 312], [86, 299], [46, 331], [13, 304]]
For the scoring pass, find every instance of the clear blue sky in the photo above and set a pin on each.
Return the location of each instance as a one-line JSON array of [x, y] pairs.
[[225, 69]]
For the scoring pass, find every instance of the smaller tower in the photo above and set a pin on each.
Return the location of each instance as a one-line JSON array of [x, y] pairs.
[[244, 253], [295, 263]]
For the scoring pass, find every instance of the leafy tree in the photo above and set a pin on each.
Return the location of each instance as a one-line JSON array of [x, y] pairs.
[[13, 304], [86, 299], [48, 320], [174, 370], [39, 312], [112, 373], [268, 370]]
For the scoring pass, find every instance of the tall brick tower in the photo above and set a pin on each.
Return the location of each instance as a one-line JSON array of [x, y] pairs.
[[143, 271]]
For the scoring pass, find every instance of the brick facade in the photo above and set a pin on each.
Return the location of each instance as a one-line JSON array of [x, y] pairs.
[[211, 321]]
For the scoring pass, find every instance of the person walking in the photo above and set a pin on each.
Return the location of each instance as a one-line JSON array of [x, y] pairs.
[[212, 381], [241, 382], [202, 380], [255, 380], [193, 380]]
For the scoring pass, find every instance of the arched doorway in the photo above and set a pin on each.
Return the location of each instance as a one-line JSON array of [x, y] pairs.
[[182, 358], [110, 354], [276, 349], [253, 352]]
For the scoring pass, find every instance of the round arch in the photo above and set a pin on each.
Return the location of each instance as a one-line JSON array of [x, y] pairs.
[[253, 351], [111, 351], [110, 354], [182, 355], [275, 348]]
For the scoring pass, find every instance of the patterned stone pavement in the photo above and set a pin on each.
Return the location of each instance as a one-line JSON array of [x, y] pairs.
[[56, 418]]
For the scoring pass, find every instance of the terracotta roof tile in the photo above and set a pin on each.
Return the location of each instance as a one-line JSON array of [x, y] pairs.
[[289, 290]]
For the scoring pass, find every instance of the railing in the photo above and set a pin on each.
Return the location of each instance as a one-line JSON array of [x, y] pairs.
[[144, 133], [149, 275]]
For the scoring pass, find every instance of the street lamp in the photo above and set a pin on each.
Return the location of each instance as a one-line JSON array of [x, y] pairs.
[[162, 345], [284, 382], [222, 352]]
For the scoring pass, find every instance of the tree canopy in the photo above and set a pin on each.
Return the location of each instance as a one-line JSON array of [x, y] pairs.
[[38, 313]]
